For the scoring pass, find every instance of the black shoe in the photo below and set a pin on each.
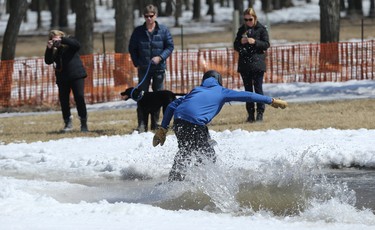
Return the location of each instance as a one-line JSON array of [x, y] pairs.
[[141, 129], [84, 127], [259, 117], [251, 118], [68, 125]]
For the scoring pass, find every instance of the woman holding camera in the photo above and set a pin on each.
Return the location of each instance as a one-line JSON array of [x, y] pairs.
[[251, 43], [62, 51]]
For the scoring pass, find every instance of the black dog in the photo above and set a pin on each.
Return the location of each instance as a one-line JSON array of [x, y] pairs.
[[149, 103]]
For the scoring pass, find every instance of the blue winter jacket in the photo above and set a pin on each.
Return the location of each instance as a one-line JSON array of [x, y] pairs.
[[143, 47], [204, 102]]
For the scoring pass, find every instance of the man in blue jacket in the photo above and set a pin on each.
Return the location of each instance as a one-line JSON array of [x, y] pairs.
[[149, 47], [193, 112]]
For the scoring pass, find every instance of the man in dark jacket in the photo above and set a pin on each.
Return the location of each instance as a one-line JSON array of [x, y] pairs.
[[193, 112], [70, 73], [150, 45], [251, 42]]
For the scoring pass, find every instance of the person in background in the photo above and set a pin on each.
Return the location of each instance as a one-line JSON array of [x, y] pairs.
[[193, 112], [252, 42], [150, 45], [62, 51]]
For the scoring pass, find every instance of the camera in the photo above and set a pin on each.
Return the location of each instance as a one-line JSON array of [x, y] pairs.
[[56, 43], [250, 33]]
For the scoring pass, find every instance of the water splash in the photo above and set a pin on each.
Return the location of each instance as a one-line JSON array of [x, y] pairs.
[[283, 187]]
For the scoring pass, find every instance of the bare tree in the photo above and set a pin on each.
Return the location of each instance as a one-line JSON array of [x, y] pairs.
[[355, 9], [38, 6], [169, 7], [85, 25], [286, 3], [187, 4], [329, 33], [53, 6], [372, 9], [211, 10], [63, 13], [17, 11], [329, 20], [238, 5], [268, 6], [178, 13], [124, 25], [197, 10]]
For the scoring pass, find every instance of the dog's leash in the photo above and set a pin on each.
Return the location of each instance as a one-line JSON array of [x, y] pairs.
[[137, 94]]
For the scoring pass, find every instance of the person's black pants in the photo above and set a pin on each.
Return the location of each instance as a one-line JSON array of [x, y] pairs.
[[193, 148], [253, 82], [77, 86]]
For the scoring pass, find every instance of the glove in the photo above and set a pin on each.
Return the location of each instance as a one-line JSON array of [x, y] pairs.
[[278, 103], [159, 137]]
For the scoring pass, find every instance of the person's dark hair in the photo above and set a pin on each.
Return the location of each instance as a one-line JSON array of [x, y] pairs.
[[150, 9], [214, 74]]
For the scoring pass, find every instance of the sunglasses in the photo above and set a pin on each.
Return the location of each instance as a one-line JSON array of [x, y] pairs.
[[149, 16], [248, 19]]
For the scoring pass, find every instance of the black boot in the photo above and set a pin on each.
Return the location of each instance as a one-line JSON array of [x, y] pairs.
[[142, 120], [155, 120], [251, 117], [68, 125], [259, 117], [84, 127]]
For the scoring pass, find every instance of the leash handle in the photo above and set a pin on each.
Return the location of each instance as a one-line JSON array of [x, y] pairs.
[[140, 94]]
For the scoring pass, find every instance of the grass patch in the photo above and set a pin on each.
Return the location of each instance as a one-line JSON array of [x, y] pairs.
[[346, 114]]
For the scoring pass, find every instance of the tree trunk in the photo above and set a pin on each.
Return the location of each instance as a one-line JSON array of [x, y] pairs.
[[178, 13], [187, 4], [63, 14], [250, 3], [124, 28], [169, 8], [197, 10], [355, 9], [329, 21], [329, 34], [39, 14], [372, 9], [267, 6], [286, 3], [124, 25], [17, 11], [53, 6], [342, 6], [238, 5], [85, 25]]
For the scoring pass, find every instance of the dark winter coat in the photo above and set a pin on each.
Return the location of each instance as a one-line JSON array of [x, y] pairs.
[[68, 64], [143, 46], [252, 57]]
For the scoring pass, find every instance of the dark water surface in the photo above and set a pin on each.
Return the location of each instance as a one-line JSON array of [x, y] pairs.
[[362, 181]]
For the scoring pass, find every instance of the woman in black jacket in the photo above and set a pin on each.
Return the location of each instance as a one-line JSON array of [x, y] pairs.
[[62, 51], [252, 42]]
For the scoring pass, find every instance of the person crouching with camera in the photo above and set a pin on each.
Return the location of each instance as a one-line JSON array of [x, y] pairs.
[[62, 52]]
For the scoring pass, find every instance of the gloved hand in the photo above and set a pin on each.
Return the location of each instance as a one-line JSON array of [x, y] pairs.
[[159, 137], [278, 103]]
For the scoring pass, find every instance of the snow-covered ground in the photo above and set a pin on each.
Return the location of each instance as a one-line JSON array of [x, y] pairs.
[[262, 180]]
